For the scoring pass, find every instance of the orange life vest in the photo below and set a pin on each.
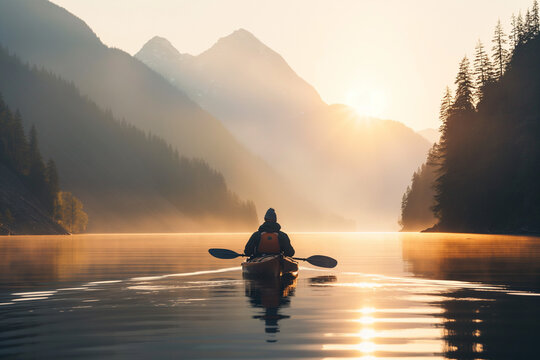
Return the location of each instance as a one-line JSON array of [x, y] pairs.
[[269, 244]]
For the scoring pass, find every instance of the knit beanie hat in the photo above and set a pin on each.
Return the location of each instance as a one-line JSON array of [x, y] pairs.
[[270, 215]]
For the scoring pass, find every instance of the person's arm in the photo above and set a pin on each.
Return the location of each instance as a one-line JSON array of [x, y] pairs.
[[251, 245], [285, 244]]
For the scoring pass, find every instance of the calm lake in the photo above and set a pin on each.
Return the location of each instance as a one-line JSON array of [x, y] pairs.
[[392, 295]]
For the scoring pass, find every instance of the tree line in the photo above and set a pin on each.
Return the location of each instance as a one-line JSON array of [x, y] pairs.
[[21, 155], [127, 178], [483, 174]]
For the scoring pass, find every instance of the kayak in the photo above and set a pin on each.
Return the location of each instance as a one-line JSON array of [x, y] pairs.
[[270, 266]]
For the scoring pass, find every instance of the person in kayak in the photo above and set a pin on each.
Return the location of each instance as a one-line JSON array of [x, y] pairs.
[[269, 239]]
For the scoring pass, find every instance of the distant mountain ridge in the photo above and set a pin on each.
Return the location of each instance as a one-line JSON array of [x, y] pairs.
[[325, 151], [231, 81], [129, 181], [431, 135], [48, 36]]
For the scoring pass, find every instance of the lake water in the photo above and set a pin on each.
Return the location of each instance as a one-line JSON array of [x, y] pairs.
[[392, 295]]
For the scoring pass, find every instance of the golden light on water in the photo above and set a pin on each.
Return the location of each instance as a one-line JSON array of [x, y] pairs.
[[363, 312], [367, 310], [366, 320], [366, 334]]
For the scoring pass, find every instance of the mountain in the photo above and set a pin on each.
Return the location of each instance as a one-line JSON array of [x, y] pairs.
[[128, 181], [246, 85], [48, 36], [29, 189], [431, 135], [357, 166]]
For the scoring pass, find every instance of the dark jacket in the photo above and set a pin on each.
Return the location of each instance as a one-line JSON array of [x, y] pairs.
[[272, 227]]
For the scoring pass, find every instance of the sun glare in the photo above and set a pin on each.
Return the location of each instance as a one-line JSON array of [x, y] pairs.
[[367, 102]]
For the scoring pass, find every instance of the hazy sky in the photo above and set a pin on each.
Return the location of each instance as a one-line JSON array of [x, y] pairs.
[[390, 59]]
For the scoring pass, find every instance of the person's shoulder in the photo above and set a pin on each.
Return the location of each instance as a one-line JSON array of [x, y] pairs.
[[283, 233]]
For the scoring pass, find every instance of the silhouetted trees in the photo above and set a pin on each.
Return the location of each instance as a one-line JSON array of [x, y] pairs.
[[483, 71], [464, 99], [416, 213], [110, 164], [516, 34], [487, 162], [22, 156], [500, 53]]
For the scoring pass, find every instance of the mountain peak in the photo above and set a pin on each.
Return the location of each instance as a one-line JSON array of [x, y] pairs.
[[161, 45], [240, 39], [161, 48], [158, 41], [242, 33]]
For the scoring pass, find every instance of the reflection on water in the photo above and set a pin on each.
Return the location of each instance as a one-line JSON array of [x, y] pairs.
[[270, 295], [484, 322], [427, 296]]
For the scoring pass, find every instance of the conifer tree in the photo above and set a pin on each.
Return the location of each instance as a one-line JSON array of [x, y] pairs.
[[535, 19], [446, 105], [464, 99], [500, 54], [435, 154], [514, 36], [483, 70], [520, 29], [527, 26]]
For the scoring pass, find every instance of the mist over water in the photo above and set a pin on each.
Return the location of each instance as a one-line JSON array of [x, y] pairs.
[[392, 295]]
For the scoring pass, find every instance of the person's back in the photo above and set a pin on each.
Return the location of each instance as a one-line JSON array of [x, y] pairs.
[[269, 239]]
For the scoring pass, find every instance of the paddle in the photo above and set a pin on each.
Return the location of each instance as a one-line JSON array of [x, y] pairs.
[[317, 260]]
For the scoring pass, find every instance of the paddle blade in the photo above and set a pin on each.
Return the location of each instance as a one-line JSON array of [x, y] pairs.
[[322, 261], [224, 253]]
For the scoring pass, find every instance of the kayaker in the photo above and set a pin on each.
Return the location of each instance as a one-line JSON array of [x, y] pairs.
[[269, 239]]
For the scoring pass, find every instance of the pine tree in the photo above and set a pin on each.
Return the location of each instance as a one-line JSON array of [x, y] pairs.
[[483, 70], [500, 54], [527, 27], [464, 99], [514, 36], [449, 155], [446, 104], [435, 155], [520, 29], [535, 20]]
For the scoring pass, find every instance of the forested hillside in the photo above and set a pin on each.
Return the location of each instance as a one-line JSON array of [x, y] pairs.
[[128, 180], [46, 35], [28, 186], [488, 158]]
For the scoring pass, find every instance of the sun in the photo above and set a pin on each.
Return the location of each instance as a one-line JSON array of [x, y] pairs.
[[370, 102]]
